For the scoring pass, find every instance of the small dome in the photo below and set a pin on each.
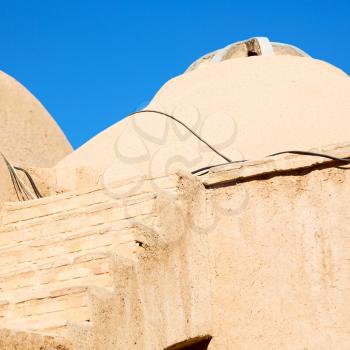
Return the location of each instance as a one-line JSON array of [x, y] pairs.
[[29, 135]]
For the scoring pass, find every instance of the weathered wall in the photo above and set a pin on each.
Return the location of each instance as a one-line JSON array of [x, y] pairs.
[[54, 250], [282, 268], [254, 255], [162, 291], [265, 267]]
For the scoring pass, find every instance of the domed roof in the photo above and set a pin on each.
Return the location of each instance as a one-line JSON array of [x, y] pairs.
[[28, 134], [247, 108]]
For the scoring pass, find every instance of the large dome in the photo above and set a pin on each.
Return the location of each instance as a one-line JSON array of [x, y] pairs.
[[29, 136], [247, 107]]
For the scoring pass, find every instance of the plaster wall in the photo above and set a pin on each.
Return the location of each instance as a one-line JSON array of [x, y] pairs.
[[54, 250], [253, 255], [271, 271], [280, 267]]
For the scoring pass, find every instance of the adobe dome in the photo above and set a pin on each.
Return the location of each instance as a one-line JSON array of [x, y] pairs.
[[29, 135], [246, 107]]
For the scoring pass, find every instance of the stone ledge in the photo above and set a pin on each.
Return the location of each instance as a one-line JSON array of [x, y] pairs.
[[273, 166]]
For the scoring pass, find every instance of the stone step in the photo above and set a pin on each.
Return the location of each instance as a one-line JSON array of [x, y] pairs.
[[16, 340], [51, 314]]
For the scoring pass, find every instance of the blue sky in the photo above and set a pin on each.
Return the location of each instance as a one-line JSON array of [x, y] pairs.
[[92, 62]]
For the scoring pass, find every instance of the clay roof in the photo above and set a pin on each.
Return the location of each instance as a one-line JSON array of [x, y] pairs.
[[248, 108]]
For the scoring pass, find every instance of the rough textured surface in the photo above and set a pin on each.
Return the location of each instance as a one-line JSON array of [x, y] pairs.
[[181, 257], [10, 340], [282, 264], [29, 136], [54, 250]]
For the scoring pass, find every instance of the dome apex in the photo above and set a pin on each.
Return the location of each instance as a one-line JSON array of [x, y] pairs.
[[257, 46]]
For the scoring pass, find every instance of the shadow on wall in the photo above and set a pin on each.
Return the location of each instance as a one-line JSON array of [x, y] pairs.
[[198, 343]]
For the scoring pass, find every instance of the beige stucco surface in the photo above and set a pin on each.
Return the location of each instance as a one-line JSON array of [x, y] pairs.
[[29, 136], [282, 265], [246, 107], [254, 255]]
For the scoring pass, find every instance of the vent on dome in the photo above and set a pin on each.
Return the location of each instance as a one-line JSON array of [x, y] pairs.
[[259, 46]]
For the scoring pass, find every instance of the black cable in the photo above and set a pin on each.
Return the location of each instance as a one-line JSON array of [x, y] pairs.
[[229, 161], [213, 166], [32, 183], [315, 154], [185, 126], [19, 189], [304, 153], [14, 183], [203, 170], [14, 180]]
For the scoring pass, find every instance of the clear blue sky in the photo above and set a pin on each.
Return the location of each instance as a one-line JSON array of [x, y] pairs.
[[91, 62]]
